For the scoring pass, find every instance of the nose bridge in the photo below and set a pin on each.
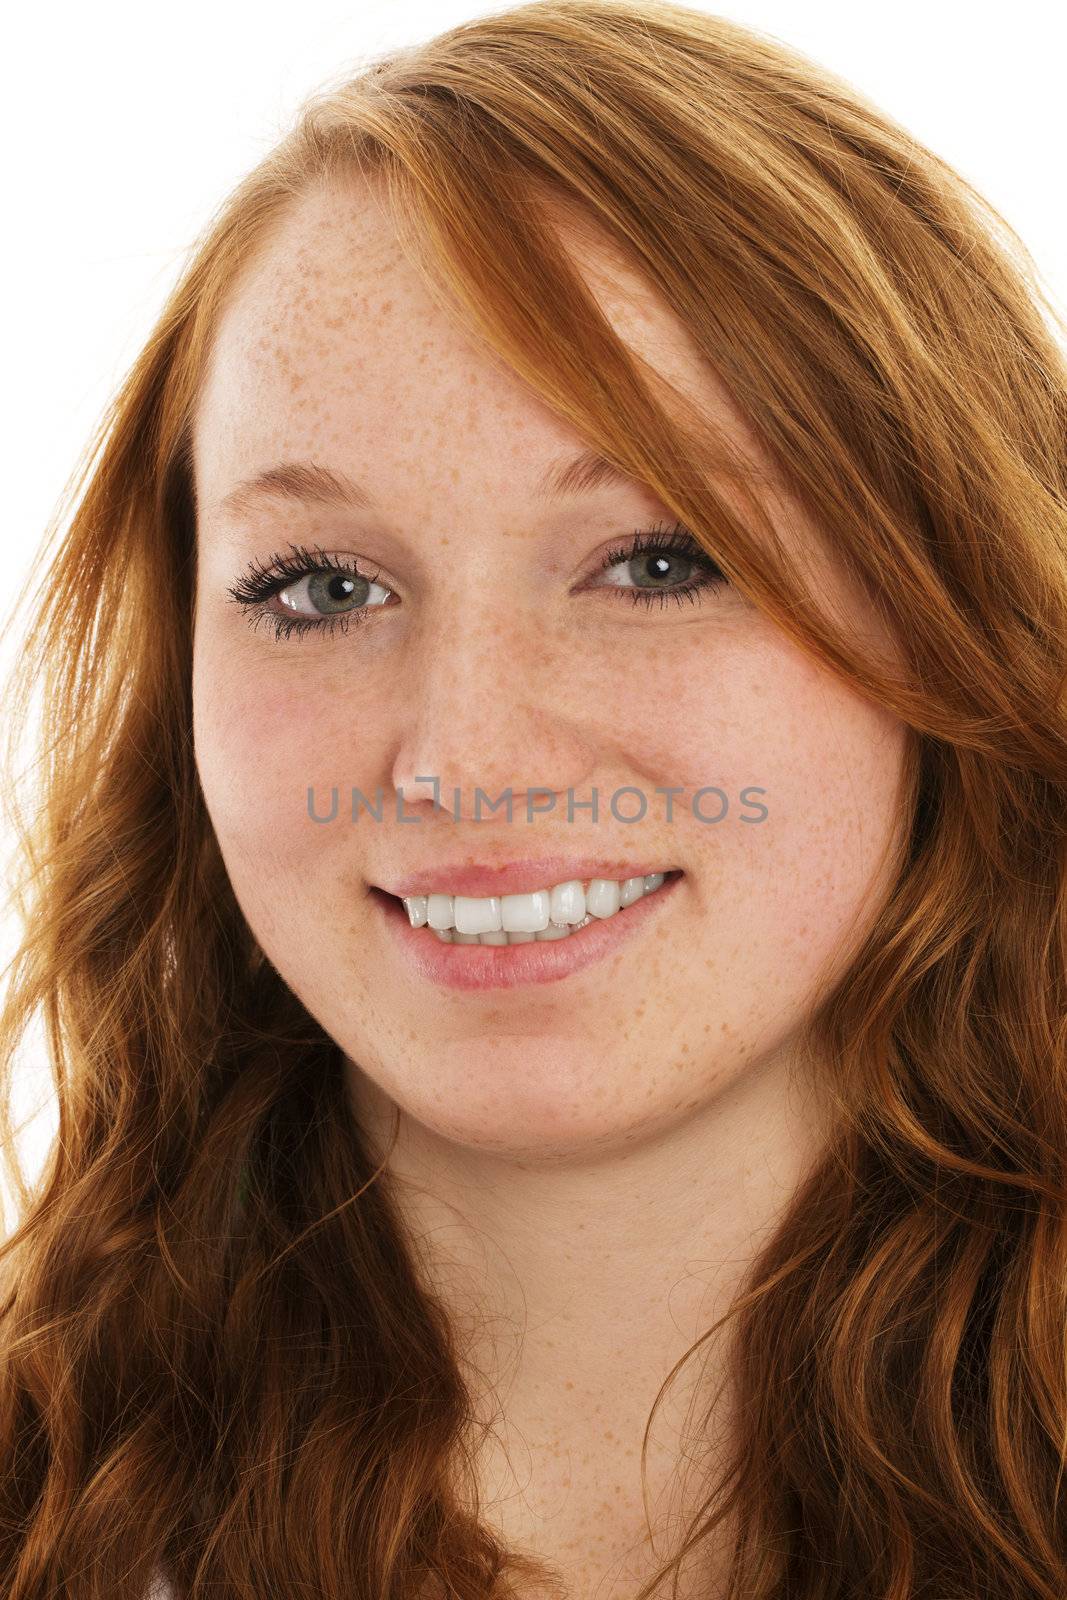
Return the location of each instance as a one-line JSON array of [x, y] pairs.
[[487, 706]]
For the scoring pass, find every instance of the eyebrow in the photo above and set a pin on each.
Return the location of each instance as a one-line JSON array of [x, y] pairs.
[[316, 484]]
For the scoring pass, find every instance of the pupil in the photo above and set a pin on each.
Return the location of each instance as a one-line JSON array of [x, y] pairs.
[[345, 591]]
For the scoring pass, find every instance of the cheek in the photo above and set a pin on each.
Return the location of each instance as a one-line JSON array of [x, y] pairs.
[[782, 894], [262, 737], [814, 872]]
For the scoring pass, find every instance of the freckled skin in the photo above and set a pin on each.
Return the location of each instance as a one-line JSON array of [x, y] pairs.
[[592, 1162]]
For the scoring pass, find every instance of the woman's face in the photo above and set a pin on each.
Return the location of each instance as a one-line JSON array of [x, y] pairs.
[[496, 652]]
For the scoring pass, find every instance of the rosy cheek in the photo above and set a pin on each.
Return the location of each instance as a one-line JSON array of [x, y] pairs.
[[251, 741]]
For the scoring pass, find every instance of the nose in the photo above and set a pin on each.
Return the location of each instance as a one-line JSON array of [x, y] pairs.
[[492, 707]]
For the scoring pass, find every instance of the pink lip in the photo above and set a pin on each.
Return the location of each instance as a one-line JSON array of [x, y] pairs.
[[479, 880], [503, 966]]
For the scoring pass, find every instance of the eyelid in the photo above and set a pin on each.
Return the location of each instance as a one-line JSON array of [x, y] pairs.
[[299, 561], [282, 570], [264, 579], [674, 540]]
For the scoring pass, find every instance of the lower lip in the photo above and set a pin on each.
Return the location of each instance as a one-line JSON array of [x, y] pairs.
[[505, 966]]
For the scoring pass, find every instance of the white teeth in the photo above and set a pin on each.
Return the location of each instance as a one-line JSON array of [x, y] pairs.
[[439, 911], [416, 909], [518, 918], [603, 897], [567, 902], [477, 916], [523, 913]]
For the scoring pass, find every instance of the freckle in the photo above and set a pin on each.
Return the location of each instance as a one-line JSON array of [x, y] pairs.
[[707, 1027]]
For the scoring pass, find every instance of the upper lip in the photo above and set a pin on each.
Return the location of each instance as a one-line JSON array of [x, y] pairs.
[[479, 880]]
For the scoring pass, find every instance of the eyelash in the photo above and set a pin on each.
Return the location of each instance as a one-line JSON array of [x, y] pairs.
[[265, 580]]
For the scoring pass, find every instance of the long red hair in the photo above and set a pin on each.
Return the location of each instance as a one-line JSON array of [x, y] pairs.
[[216, 1361]]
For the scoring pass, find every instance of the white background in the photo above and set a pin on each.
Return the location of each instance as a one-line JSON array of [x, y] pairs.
[[126, 123]]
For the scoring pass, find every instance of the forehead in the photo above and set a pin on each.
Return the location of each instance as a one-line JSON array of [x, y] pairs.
[[332, 346]]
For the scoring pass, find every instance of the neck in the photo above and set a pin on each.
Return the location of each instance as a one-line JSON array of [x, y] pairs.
[[576, 1281]]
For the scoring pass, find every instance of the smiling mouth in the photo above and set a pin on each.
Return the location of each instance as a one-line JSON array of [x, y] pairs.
[[604, 898]]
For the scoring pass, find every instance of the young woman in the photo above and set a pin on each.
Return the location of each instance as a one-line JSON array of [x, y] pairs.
[[547, 882]]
